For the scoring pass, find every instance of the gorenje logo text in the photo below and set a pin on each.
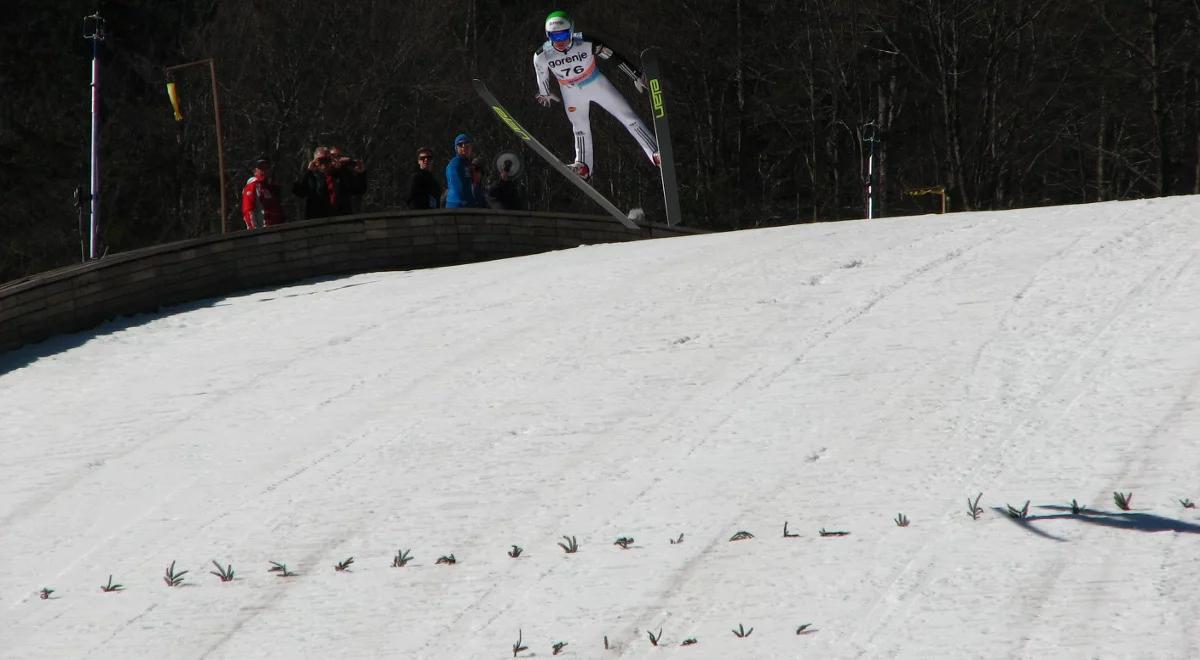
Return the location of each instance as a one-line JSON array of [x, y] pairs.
[[577, 57]]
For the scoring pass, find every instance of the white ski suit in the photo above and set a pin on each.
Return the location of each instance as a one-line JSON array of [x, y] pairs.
[[582, 84]]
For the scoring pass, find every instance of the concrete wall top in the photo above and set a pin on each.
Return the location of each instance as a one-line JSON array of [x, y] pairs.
[[79, 297]]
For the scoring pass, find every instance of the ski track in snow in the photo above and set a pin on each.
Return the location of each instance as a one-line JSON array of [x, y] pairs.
[[830, 376], [920, 571]]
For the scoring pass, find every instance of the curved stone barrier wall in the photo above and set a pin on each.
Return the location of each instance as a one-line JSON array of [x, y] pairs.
[[81, 297]]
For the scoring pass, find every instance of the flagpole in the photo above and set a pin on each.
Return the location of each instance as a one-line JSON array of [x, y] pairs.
[[870, 135], [93, 28]]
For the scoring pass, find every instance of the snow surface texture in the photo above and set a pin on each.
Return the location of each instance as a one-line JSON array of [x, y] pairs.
[[830, 376]]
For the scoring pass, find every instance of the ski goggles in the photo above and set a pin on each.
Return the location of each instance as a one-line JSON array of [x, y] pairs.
[[559, 35]]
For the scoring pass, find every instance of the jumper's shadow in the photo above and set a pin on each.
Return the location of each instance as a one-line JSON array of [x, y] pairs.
[[1131, 520], [1025, 523], [1135, 521]]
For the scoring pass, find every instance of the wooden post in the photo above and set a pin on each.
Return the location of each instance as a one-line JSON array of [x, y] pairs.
[[932, 190], [212, 70]]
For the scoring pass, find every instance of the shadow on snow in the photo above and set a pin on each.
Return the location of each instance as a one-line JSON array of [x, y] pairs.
[[30, 353], [1128, 520]]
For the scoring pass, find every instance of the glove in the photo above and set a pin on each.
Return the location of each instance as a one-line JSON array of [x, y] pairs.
[[640, 84], [546, 99]]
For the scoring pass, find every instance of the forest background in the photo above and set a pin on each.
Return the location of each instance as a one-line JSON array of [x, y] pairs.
[[1006, 104]]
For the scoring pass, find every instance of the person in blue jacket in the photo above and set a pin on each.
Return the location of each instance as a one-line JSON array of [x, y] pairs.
[[462, 191]]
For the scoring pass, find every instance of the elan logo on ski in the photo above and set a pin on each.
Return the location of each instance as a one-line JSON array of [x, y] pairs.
[[511, 123], [656, 99]]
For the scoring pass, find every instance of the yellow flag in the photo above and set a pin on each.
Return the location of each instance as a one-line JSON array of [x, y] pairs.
[[174, 94]]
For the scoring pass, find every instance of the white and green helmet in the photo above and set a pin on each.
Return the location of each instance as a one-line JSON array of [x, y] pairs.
[[558, 26]]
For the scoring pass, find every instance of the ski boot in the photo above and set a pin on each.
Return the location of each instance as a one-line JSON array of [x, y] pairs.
[[582, 170]]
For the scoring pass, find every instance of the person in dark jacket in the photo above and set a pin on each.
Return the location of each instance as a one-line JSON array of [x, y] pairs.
[[462, 191], [327, 190], [504, 194], [352, 172], [424, 190]]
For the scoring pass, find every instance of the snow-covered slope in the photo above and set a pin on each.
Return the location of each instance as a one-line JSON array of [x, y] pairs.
[[828, 376]]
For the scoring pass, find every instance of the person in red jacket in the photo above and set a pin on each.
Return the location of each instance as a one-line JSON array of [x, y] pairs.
[[260, 198]]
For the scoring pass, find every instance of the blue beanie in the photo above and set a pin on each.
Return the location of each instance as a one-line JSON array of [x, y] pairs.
[[461, 138]]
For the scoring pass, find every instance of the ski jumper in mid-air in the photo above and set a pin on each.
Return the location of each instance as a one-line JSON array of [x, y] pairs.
[[572, 59]]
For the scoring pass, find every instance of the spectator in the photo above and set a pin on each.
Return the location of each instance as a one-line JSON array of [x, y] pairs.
[[461, 189], [504, 194], [424, 191], [260, 198], [478, 169], [353, 174], [327, 189]]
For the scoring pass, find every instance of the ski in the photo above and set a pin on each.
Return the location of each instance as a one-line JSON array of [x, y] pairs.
[[541, 150], [662, 132]]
